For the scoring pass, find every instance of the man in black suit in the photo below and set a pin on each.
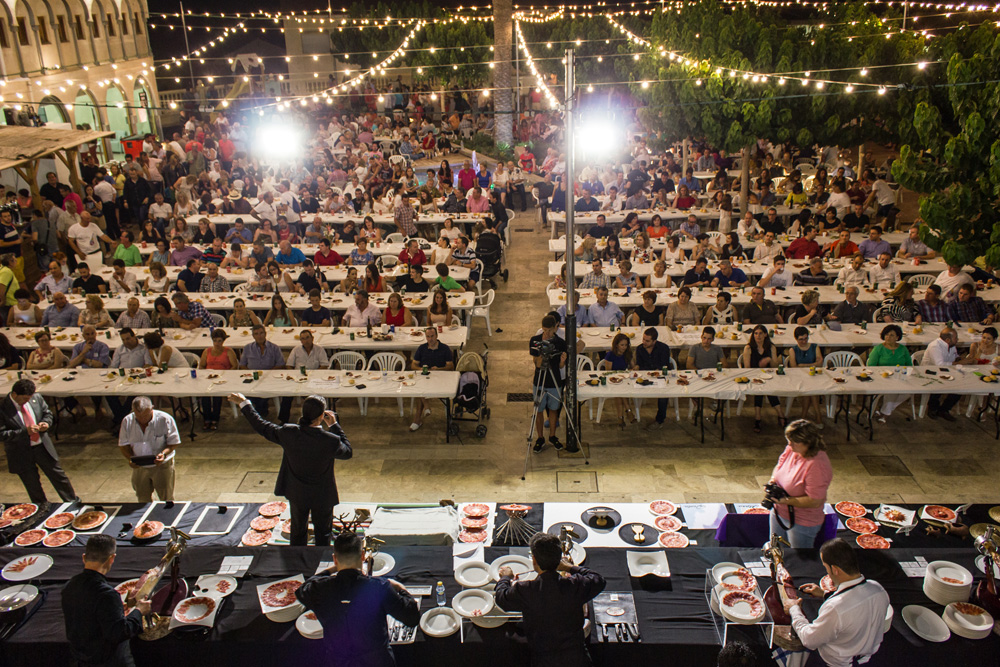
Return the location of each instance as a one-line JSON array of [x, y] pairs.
[[25, 419], [553, 605], [352, 607], [97, 627], [306, 477]]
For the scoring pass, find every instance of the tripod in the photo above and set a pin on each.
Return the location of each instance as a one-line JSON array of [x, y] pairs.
[[538, 392]]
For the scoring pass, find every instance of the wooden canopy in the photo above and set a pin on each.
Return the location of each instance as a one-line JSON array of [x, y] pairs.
[[18, 144]]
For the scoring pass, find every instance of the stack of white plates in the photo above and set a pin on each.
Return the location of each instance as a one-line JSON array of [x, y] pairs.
[[946, 582], [741, 607], [968, 620]]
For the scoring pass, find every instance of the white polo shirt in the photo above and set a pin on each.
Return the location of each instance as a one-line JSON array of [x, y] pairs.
[[159, 432]]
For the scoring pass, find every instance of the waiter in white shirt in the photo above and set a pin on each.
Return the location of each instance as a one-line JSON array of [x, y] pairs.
[[147, 439], [848, 629], [942, 352]]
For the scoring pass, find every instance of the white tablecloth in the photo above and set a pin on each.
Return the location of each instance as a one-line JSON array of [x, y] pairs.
[[332, 273], [894, 239]]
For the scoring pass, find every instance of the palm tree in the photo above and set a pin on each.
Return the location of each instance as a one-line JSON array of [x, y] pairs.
[[503, 100]]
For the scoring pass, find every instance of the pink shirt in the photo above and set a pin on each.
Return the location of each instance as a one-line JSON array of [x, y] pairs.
[[480, 206], [803, 477]]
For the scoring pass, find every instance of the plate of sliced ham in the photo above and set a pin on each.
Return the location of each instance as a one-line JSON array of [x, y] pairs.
[[61, 520], [872, 541], [850, 509], [148, 530], [273, 508], [860, 524], [59, 538], [662, 507], [30, 537]]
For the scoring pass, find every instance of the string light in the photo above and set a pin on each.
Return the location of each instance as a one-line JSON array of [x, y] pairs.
[[530, 62]]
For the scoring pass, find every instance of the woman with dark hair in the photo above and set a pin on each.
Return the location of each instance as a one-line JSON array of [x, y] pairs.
[[760, 352], [162, 315], [373, 280], [439, 312], [631, 226], [733, 248], [279, 315], [682, 312], [890, 353], [804, 472], [619, 358], [218, 358], [613, 251]]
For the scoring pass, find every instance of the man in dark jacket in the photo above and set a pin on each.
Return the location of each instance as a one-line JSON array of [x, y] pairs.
[[306, 477], [553, 605], [25, 419], [97, 627], [352, 607]]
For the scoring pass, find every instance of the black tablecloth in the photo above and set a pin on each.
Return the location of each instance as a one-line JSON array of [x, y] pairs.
[[673, 617]]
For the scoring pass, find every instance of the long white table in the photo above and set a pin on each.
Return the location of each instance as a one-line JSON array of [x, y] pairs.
[[796, 382], [332, 273], [558, 245], [308, 249], [732, 337], [178, 383], [751, 268], [384, 219], [261, 302], [782, 298], [703, 213], [405, 339]]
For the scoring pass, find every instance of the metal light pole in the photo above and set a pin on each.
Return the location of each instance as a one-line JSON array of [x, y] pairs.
[[569, 394], [187, 46]]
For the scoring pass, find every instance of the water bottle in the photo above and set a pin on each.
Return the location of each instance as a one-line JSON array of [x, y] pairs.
[[439, 592]]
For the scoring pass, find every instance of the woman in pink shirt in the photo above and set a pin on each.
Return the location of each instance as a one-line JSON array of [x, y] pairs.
[[804, 472]]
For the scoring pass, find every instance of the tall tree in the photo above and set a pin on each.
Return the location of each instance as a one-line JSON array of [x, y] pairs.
[[503, 102], [955, 162]]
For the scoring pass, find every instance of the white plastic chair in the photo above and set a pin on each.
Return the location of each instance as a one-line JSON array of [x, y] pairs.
[[716, 238], [879, 313], [481, 268], [242, 288], [387, 362], [395, 237], [483, 309], [395, 160], [349, 360], [921, 280], [219, 320], [835, 360], [583, 363]]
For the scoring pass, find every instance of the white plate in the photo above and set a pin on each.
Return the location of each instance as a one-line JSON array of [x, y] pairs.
[[494, 619], [200, 604], [972, 624], [714, 601], [19, 592], [286, 615], [473, 602], [641, 563], [280, 612], [440, 622], [519, 564], [909, 516], [382, 564], [38, 567], [942, 568], [578, 554], [307, 627], [207, 584], [473, 574], [721, 568], [889, 613], [981, 564], [741, 612], [925, 623]]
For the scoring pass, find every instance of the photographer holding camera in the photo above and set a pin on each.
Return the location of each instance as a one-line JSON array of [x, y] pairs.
[[549, 352], [797, 489]]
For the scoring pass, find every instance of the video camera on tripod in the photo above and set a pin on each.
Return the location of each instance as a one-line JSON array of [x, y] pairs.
[[546, 350]]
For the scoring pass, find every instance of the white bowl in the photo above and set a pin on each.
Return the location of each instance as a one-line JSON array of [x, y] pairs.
[[382, 564], [925, 623], [473, 602], [642, 563], [440, 622]]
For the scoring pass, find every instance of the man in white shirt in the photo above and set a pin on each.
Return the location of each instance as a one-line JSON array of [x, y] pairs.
[[160, 211], [886, 198], [305, 355], [121, 281], [777, 276], [265, 209], [950, 280], [884, 272], [146, 432], [615, 201], [288, 200], [362, 313], [85, 240], [766, 249], [849, 625], [839, 200], [942, 352], [855, 274]]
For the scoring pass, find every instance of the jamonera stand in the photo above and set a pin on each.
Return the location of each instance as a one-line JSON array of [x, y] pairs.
[[162, 603], [988, 544], [515, 531]]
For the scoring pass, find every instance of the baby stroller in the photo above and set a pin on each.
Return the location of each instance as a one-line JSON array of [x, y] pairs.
[[490, 251], [471, 397]]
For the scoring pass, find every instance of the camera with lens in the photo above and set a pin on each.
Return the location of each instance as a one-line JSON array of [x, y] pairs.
[[772, 491], [547, 350]]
